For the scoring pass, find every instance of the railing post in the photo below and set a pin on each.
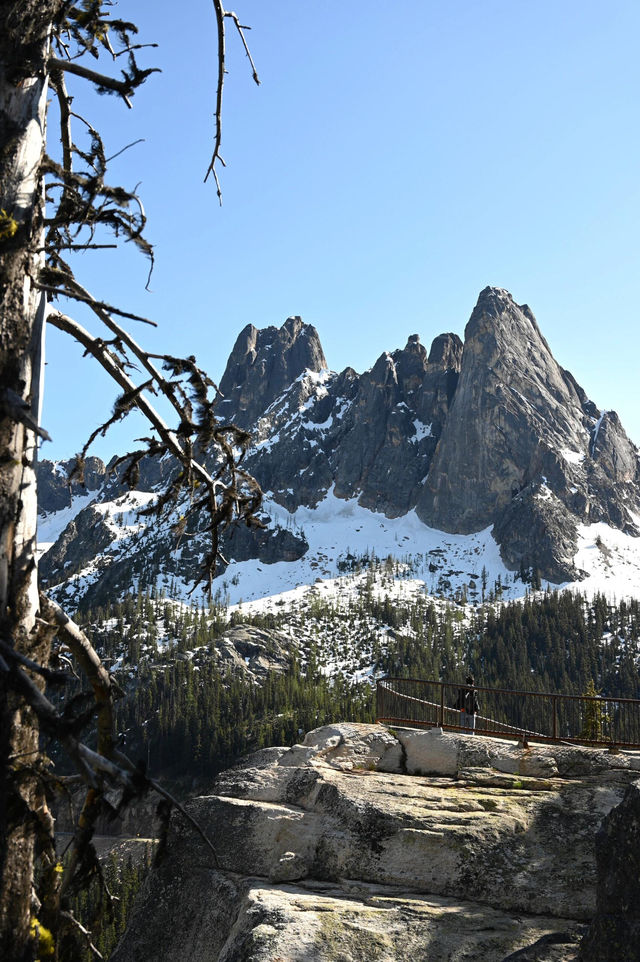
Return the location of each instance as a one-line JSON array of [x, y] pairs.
[[555, 718], [441, 704]]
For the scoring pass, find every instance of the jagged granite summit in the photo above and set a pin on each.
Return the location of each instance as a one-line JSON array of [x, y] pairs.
[[265, 363], [524, 449], [489, 433], [363, 844]]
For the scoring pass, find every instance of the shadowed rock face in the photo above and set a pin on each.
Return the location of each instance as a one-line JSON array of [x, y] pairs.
[[615, 931], [393, 425], [516, 417], [524, 449], [263, 364], [330, 851], [371, 435], [54, 489]]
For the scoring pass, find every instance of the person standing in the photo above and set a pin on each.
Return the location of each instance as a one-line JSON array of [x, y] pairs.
[[467, 703]]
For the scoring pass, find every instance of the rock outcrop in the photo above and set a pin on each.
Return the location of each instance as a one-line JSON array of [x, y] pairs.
[[331, 850], [55, 491], [393, 425], [512, 414], [263, 364], [615, 931], [524, 449]]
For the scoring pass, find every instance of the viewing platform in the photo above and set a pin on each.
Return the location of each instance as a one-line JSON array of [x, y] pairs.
[[541, 716]]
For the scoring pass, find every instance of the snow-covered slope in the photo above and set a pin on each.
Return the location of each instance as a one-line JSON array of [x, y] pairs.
[[345, 541]]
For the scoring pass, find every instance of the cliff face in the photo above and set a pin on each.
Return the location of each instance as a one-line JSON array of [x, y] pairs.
[[615, 931], [523, 448], [265, 363], [513, 413], [393, 424], [489, 433], [54, 490], [344, 848]]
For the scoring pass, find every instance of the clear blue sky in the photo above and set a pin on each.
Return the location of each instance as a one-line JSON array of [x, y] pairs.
[[397, 158]]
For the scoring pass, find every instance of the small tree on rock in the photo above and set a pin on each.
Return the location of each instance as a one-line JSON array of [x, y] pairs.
[[594, 715]]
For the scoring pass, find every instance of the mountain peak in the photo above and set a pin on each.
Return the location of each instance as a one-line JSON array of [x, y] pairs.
[[263, 364], [293, 325], [446, 352], [518, 448], [491, 294], [497, 314]]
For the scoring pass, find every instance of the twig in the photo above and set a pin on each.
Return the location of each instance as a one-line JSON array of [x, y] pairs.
[[133, 143], [169, 797], [126, 763], [124, 87], [220, 14], [102, 311], [241, 27], [100, 305], [99, 79], [53, 677], [80, 247], [80, 646], [69, 917], [95, 347], [134, 46], [65, 119]]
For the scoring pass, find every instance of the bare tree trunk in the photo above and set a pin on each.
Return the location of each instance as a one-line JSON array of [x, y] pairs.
[[24, 38]]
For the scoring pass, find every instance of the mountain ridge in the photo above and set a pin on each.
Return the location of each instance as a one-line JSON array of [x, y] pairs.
[[487, 434]]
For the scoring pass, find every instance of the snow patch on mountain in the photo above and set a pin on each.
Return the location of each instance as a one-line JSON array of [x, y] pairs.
[[465, 567], [345, 537], [122, 516], [611, 560], [573, 457], [51, 526], [422, 431], [342, 532]]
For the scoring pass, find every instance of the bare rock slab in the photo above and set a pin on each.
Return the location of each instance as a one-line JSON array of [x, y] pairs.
[[320, 855]]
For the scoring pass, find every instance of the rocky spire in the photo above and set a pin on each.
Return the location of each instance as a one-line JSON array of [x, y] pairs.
[[513, 411], [523, 449], [263, 364]]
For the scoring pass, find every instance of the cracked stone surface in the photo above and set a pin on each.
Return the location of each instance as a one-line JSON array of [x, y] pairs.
[[323, 856]]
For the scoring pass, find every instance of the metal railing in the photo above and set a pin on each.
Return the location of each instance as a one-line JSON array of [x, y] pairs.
[[542, 716]]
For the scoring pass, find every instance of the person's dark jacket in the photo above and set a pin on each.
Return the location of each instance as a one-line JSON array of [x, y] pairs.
[[467, 701]]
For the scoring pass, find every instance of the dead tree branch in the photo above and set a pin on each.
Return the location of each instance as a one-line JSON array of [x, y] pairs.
[[216, 157], [94, 304], [60, 38], [125, 87], [231, 494], [241, 27], [106, 765]]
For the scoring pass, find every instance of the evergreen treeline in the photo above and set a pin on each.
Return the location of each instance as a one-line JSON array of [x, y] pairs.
[[104, 905], [561, 643], [187, 719], [194, 721], [558, 642]]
